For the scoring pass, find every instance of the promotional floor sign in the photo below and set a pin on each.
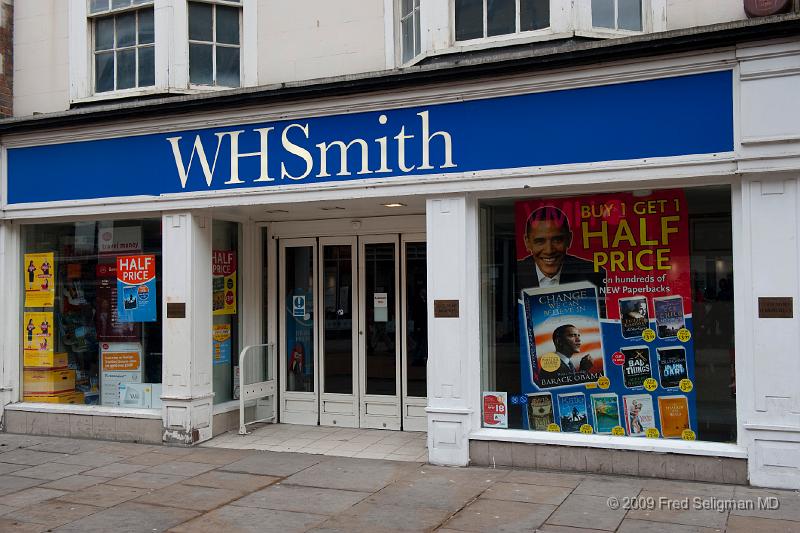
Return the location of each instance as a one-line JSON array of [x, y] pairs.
[[37, 332], [136, 288], [223, 270], [222, 344], [605, 310], [40, 280]]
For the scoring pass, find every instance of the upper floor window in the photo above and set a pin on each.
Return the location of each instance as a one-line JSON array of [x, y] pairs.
[[476, 19], [617, 14], [124, 50], [409, 29], [215, 43]]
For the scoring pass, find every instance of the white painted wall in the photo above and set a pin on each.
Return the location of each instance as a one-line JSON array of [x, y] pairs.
[[689, 13], [306, 39], [41, 66]]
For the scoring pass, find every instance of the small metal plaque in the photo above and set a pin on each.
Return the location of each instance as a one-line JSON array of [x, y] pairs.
[[445, 308], [176, 310], [775, 307]]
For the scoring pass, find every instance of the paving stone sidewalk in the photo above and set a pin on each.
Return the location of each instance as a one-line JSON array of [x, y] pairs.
[[60, 484]]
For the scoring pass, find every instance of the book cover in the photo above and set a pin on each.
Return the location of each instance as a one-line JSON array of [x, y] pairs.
[[633, 316], [637, 367], [674, 413], [669, 316], [638, 413], [572, 411], [565, 345], [540, 410], [671, 366], [606, 412]]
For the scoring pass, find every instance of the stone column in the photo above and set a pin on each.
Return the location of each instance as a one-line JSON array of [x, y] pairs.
[[187, 387], [9, 313], [453, 342]]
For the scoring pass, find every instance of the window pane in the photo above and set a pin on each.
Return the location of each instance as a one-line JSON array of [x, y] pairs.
[[469, 19], [145, 26], [200, 67], [227, 66], [406, 7], [227, 25], [501, 17], [379, 328], [337, 295], [126, 29], [200, 25], [126, 69], [147, 69], [116, 4], [534, 14], [408, 39], [104, 72], [603, 13], [299, 319], [630, 14], [96, 6], [137, 2], [417, 39], [226, 313], [416, 319], [104, 33]]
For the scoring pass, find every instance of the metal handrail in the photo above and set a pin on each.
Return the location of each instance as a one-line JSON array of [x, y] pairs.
[[246, 391]]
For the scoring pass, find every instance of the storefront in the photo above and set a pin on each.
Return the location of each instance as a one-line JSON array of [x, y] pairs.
[[535, 266]]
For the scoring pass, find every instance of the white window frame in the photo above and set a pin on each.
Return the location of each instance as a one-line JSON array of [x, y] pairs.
[[213, 43], [654, 19], [556, 7], [171, 26], [113, 13], [415, 12]]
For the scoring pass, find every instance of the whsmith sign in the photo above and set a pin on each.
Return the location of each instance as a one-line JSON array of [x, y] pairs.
[[657, 118]]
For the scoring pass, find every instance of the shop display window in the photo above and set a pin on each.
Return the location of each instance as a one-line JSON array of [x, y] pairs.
[[91, 313], [610, 314], [226, 310]]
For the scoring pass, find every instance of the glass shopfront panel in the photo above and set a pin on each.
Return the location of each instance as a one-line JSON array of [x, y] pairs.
[[610, 314], [91, 313], [226, 310]]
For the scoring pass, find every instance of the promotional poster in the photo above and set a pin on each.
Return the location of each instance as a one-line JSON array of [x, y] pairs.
[[107, 321], [136, 288], [605, 311], [40, 280], [223, 270], [495, 410], [222, 344], [37, 332]]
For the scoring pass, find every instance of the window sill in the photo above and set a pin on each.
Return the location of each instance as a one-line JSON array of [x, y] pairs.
[[498, 42], [93, 410], [605, 33], [705, 448], [127, 93]]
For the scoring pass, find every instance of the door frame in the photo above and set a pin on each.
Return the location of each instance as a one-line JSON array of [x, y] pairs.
[[297, 407], [378, 411], [338, 409]]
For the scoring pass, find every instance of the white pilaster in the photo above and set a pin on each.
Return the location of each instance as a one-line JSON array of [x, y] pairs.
[[453, 343], [9, 313], [187, 389]]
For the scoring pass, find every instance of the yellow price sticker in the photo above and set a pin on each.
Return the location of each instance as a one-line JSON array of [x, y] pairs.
[[650, 384], [652, 433], [604, 382], [618, 431], [688, 434], [553, 428], [686, 385], [586, 429], [684, 335], [648, 335], [591, 385]]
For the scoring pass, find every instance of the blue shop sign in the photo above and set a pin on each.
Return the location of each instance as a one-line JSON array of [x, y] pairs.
[[656, 118]]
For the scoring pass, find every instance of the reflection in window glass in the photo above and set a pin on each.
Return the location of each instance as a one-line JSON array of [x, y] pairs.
[[225, 308], [129, 39], [201, 22], [475, 19], [214, 51], [630, 15], [227, 66], [87, 338], [501, 17], [469, 19], [665, 347], [201, 64], [416, 319], [617, 14], [534, 14], [299, 318]]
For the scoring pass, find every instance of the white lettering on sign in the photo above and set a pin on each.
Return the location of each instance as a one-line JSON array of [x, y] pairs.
[[292, 142]]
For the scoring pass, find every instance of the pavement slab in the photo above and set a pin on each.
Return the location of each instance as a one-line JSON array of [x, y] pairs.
[[586, 511], [15, 526], [369, 517], [521, 492], [76, 482], [748, 524], [50, 471], [232, 480], [351, 474], [115, 470], [673, 510], [181, 468], [52, 513], [250, 520], [29, 457], [147, 480], [285, 497], [104, 495], [630, 525], [131, 517], [273, 463], [431, 492], [30, 496], [498, 515], [9, 484], [190, 497]]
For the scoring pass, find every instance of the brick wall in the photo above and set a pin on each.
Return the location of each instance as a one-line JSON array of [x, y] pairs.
[[6, 57]]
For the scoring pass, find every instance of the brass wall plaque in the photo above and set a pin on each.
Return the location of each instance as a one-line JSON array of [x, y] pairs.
[[176, 310], [445, 308], [775, 307]]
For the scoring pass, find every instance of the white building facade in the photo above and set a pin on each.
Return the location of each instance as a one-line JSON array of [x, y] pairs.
[[372, 216]]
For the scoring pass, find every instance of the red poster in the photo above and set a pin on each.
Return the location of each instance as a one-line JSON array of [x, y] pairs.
[[626, 244]]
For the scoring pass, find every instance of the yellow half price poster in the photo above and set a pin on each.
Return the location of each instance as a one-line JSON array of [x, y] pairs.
[[40, 280]]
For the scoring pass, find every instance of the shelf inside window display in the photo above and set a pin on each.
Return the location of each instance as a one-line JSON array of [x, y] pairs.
[[604, 304]]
